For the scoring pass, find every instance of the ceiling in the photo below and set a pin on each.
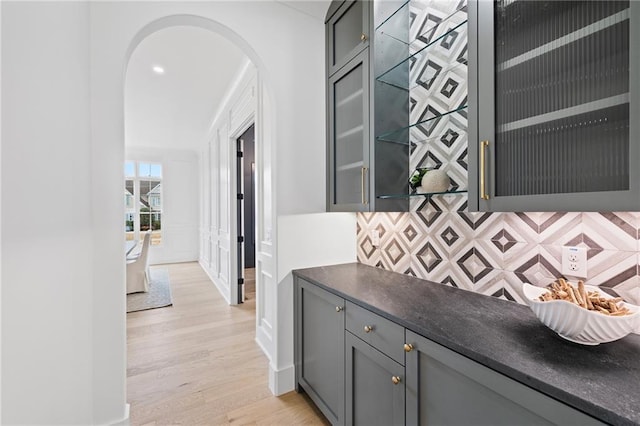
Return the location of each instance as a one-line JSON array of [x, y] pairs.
[[174, 110]]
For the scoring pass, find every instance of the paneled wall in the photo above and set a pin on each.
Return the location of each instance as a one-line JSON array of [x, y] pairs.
[[217, 256], [489, 253]]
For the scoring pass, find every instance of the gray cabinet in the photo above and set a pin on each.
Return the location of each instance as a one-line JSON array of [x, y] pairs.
[[374, 386], [319, 348], [362, 369], [553, 105], [384, 335], [446, 388], [362, 169], [347, 32], [349, 135]]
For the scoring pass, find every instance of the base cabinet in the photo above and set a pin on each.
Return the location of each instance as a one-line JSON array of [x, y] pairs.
[[362, 369], [446, 388], [319, 331], [374, 386]]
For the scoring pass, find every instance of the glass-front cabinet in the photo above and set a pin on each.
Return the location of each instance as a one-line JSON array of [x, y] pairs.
[[361, 170], [347, 33], [553, 105], [349, 135]]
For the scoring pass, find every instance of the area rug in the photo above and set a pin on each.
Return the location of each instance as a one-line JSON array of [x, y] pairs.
[[158, 296]]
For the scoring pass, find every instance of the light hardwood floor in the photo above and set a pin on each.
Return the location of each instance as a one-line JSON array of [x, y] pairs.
[[196, 363]]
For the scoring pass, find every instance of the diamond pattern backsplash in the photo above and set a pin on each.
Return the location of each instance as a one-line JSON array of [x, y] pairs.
[[494, 253], [489, 253]]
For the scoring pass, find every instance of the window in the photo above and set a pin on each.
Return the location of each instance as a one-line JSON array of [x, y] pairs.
[[143, 183]]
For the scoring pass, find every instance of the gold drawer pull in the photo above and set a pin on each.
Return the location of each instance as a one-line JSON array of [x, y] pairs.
[[408, 347], [368, 329], [339, 308], [363, 37], [395, 379]]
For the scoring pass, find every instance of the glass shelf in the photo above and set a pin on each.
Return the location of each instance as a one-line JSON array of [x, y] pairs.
[[388, 27], [449, 137], [600, 104], [397, 74], [423, 194], [401, 136], [425, 80], [394, 13], [579, 34], [350, 166]]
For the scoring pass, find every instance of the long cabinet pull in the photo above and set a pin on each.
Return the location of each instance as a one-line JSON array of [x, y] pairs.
[[363, 176], [483, 189]]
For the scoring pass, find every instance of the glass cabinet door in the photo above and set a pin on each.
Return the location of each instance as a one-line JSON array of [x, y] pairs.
[[554, 105], [349, 136], [348, 32]]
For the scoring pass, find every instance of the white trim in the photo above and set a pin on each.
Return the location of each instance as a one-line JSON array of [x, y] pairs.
[[283, 380], [124, 421], [242, 74], [263, 347], [234, 134]]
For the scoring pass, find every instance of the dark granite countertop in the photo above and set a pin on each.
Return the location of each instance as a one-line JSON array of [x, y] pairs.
[[603, 380]]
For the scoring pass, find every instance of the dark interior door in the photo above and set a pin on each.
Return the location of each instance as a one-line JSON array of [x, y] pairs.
[[249, 173], [245, 178]]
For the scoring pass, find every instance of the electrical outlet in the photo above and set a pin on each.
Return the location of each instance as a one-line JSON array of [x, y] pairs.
[[375, 237], [574, 262]]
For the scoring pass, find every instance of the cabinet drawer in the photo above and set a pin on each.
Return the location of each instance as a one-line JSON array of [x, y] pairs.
[[379, 332]]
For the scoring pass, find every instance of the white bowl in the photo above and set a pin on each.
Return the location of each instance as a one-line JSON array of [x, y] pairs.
[[578, 324]]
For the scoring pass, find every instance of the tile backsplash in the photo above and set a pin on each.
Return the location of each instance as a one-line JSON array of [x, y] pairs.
[[494, 253]]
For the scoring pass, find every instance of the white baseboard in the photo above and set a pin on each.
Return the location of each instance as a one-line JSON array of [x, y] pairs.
[[125, 420], [281, 381]]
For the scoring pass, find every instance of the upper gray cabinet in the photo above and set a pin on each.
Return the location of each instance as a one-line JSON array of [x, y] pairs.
[[349, 121], [364, 171], [347, 33], [554, 113]]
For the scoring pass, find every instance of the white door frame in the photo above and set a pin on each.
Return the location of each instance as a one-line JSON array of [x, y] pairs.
[[234, 134]]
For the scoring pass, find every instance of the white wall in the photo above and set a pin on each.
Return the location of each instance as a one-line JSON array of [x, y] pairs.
[[180, 202], [287, 48], [1, 215], [47, 239], [63, 306], [305, 241]]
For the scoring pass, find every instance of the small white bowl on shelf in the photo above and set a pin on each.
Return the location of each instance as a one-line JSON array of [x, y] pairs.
[[578, 324]]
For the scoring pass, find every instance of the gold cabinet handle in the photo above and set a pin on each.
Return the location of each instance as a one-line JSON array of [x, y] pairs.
[[363, 37], [395, 379], [363, 176], [339, 308], [483, 189], [408, 347], [368, 329]]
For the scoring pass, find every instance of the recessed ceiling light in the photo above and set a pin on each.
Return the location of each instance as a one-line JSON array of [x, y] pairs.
[[158, 69]]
